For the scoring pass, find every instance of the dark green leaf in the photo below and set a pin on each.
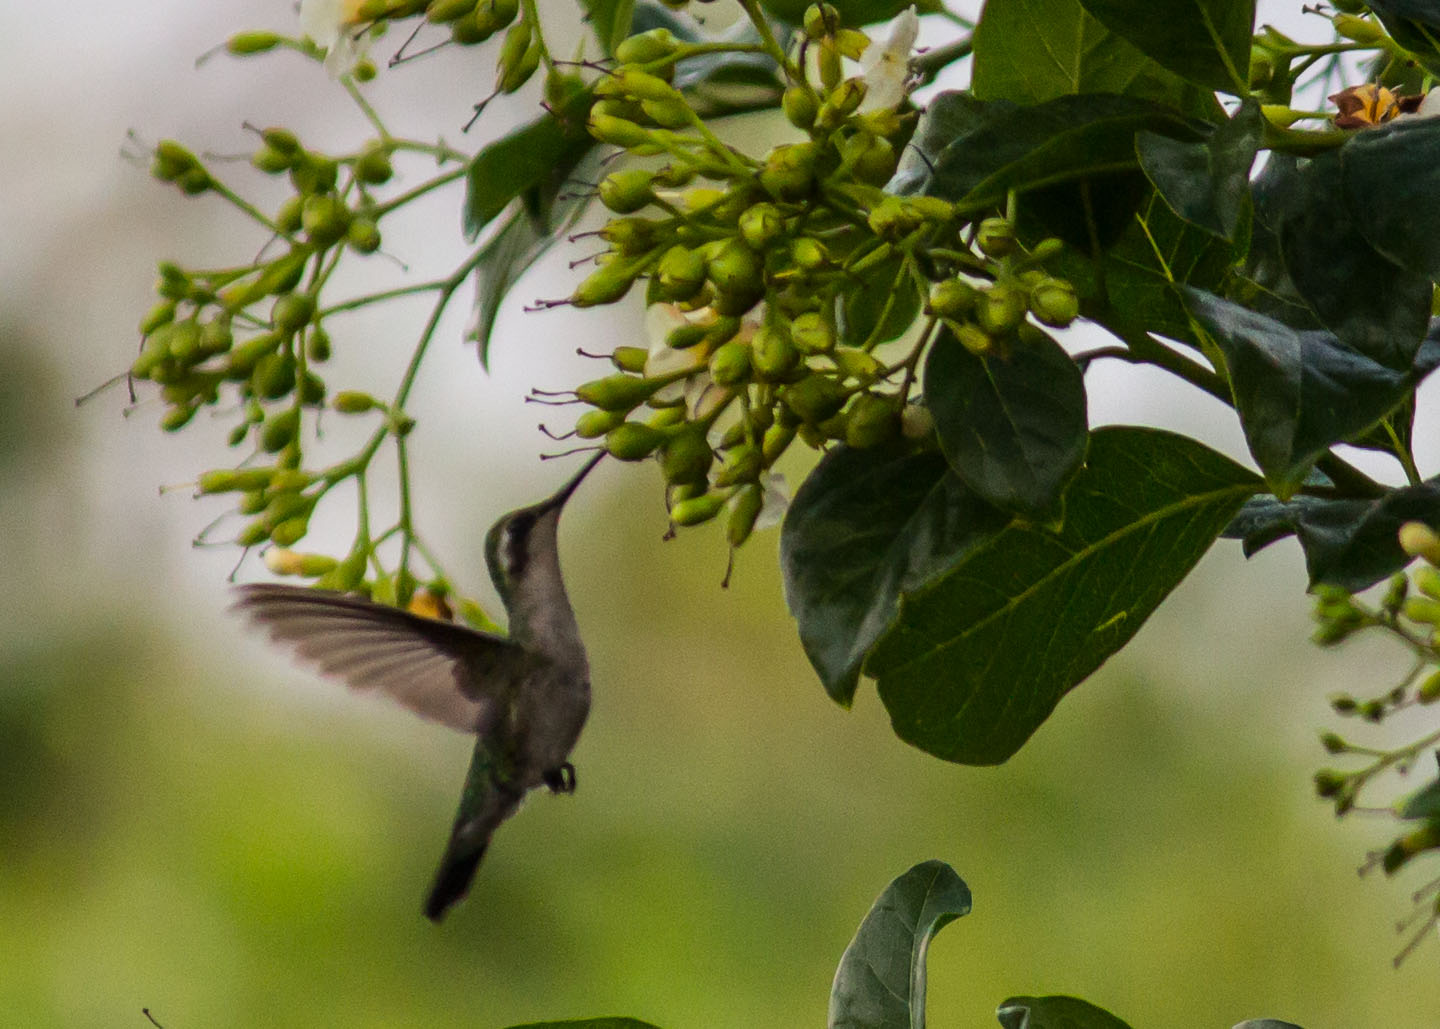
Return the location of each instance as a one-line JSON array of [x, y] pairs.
[[1263, 284], [865, 526], [1055, 1013], [610, 19], [1205, 41], [1064, 140], [949, 116], [1029, 51], [1157, 253], [1012, 425], [1419, 35], [1205, 183], [880, 983], [1299, 393], [1374, 305], [1392, 175], [1423, 803], [852, 12], [717, 84], [979, 658], [882, 308], [589, 1023], [651, 14], [536, 158], [1352, 544]]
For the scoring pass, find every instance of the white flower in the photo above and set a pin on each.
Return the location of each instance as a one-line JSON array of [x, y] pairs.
[[1430, 106], [886, 66], [334, 26], [776, 499]]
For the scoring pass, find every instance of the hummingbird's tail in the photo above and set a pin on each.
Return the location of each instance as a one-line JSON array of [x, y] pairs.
[[485, 804]]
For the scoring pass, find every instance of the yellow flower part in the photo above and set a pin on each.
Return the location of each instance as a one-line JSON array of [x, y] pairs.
[[334, 26], [1362, 106]]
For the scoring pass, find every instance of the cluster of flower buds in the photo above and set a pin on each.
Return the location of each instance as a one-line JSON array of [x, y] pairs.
[[753, 268], [256, 328]]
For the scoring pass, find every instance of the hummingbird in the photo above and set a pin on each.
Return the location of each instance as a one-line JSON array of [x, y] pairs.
[[524, 696]]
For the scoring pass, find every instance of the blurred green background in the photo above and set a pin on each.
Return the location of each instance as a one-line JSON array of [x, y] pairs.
[[190, 825]]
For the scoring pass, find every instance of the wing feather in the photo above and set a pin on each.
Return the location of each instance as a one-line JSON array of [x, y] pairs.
[[441, 671]]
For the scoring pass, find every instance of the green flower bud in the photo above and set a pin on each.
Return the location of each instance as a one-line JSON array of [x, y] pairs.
[[594, 424], [680, 273], [317, 345], [178, 417], [697, 509], [778, 438], [809, 254], [742, 463], [668, 114], [292, 312], [161, 314], [1419, 540], [840, 104], [362, 235], [253, 535], [1001, 309], [351, 401], [630, 236], [279, 430], [789, 171], [952, 298], [1329, 782], [629, 359], [1423, 609], [626, 191], [744, 506], [243, 44], [821, 20], [812, 333], [619, 132], [324, 218], [973, 338], [736, 270], [686, 458], [893, 219], [514, 74], [772, 353], [270, 161], [373, 165], [800, 106], [314, 173], [814, 398], [1361, 30], [274, 376], [183, 342], [441, 11], [683, 337], [605, 285], [872, 158], [1399, 853], [1427, 581], [871, 421], [290, 531], [617, 392], [1054, 303], [760, 224], [232, 480], [857, 364], [1429, 690], [288, 218], [632, 441], [996, 237], [730, 363], [647, 47]]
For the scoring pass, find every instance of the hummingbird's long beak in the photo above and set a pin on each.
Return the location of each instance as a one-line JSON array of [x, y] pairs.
[[563, 493]]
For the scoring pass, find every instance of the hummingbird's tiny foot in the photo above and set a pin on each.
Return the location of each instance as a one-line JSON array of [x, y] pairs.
[[562, 779]]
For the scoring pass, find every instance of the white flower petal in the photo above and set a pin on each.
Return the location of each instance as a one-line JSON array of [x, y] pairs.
[[702, 396], [775, 500], [886, 66], [334, 25], [1430, 106]]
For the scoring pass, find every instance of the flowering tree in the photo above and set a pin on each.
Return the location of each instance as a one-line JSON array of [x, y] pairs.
[[891, 287]]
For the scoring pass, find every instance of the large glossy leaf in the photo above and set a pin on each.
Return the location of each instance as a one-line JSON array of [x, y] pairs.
[[1012, 423], [721, 83], [1055, 1013], [1029, 51], [1263, 283], [1299, 393], [1157, 253], [949, 115], [880, 308], [979, 658], [589, 1023], [866, 526], [1352, 544], [880, 983], [1392, 177], [1373, 304], [1206, 183], [1205, 41], [1065, 140]]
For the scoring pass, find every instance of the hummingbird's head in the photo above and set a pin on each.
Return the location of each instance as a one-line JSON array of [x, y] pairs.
[[517, 541]]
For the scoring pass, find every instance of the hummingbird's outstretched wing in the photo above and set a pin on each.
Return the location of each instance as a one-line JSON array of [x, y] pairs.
[[441, 671]]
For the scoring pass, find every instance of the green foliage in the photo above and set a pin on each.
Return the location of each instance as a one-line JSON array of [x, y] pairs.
[[1204, 41]]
